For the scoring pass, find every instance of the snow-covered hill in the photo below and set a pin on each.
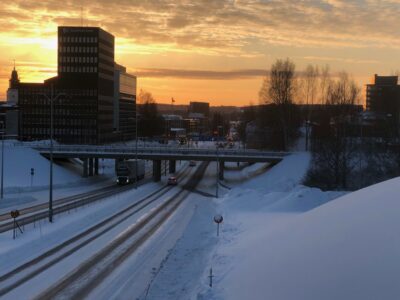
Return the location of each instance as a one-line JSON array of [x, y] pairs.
[[18, 161], [282, 240]]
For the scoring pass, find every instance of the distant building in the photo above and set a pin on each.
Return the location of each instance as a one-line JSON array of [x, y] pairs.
[[197, 126], [9, 115], [174, 126], [94, 98], [8, 120], [383, 96], [200, 108], [12, 92]]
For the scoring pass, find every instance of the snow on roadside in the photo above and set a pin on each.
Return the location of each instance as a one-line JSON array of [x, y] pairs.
[[251, 210], [281, 240], [19, 160], [184, 274]]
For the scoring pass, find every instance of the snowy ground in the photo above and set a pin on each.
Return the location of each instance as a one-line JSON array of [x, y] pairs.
[[21, 189], [279, 240], [43, 236], [254, 205]]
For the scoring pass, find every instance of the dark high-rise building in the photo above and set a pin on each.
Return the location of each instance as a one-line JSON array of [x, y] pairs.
[[383, 96], [84, 91], [124, 103], [200, 108], [86, 70]]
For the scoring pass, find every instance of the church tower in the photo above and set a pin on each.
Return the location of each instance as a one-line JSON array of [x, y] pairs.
[[12, 92]]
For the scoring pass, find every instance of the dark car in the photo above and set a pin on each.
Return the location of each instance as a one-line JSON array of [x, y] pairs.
[[172, 180]]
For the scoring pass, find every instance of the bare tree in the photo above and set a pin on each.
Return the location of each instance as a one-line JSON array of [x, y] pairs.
[[324, 82], [278, 89], [150, 122], [334, 148], [145, 97], [311, 75]]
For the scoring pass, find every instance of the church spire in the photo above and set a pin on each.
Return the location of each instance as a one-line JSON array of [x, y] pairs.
[[14, 80]]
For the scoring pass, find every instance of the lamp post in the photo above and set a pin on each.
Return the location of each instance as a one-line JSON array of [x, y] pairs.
[[51, 99], [2, 160], [216, 189], [136, 145]]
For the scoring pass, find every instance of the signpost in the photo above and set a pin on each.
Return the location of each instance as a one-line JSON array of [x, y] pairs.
[[211, 277], [218, 219], [2, 160], [15, 214], [32, 173]]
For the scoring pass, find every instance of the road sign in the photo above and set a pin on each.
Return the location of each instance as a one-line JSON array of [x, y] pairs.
[[218, 219], [32, 171], [14, 213]]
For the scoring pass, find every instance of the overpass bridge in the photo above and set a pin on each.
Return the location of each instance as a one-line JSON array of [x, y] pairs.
[[90, 154]]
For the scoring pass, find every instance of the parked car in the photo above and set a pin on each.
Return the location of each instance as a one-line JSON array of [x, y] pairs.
[[172, 180], [192, 163]]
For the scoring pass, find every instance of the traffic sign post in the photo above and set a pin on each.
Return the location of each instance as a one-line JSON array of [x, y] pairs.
[[15, 214], [211, 277], [218, 219], [32, 173]]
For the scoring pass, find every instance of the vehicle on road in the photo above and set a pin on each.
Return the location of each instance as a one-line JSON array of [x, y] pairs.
[[126, 171], [172, 180], [192, 163]]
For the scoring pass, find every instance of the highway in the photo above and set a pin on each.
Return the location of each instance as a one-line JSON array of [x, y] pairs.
[[129, 240]]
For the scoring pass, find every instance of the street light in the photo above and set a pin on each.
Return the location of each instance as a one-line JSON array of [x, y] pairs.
[[216, 189], [136, 145], [51, 100], [2, 160]]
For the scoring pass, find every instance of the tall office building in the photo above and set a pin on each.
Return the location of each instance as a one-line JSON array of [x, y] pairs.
[[86, 72], [84, 93], [383, 96], [124, 103]]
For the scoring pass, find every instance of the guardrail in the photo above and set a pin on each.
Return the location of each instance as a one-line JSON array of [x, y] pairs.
[[160, 150]]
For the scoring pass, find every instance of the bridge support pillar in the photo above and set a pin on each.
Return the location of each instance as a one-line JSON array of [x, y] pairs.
[[172, 166], [96, 166], [156, 170], [221, 170], [85, 168], [90, 166]]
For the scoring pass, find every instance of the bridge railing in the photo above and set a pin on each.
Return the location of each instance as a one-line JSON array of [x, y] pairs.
[[158, 150]]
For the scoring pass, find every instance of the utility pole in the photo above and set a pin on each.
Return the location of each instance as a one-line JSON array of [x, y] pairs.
[[51, 100], [2, 160], [51, 155], [136, 145], [216, 189]]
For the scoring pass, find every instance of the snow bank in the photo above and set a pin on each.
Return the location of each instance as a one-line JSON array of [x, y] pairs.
[[280, 242], [18, 161]]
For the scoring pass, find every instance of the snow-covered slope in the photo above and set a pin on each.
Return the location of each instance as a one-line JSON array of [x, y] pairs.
[[18, 161], [279, 243]]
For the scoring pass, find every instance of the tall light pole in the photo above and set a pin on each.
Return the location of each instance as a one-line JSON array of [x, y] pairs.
[[216, 188], [2, 160], [136, 144], [51, 100]]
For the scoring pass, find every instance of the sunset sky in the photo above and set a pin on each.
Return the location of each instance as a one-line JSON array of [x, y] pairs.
[[215, 50]]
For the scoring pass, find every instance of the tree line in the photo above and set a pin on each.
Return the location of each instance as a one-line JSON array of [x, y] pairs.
[[326, 110]]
